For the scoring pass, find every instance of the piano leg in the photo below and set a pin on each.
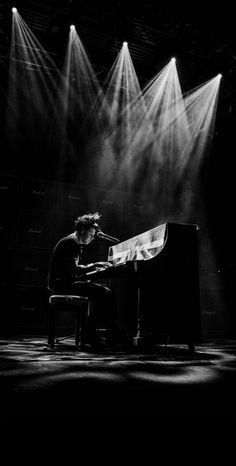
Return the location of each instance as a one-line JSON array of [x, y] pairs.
[[139, 338]]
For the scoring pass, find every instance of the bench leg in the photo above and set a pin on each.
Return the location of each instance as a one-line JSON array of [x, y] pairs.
[[51, 328], [77, 327]]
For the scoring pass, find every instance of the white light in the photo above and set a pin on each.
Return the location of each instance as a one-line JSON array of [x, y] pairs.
[[72, 27], [14, 10], [173, 59], [220, 75], [125, 43]]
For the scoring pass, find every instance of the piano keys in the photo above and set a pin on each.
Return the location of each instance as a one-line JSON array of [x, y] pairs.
[[156, 281]]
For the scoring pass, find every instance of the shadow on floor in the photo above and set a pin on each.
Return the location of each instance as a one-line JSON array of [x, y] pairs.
[[162, 381]]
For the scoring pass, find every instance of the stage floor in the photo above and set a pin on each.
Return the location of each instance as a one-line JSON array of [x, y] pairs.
[[167, 380]]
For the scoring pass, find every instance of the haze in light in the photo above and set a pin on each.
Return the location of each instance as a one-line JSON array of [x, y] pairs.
[[150, 141], [123, 106], [156, 144], [30, 85], [78, 97]]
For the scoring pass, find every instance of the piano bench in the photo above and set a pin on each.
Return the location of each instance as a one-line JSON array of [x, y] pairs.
[[80, 305]]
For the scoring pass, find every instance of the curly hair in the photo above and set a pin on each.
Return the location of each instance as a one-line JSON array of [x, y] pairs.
[[87, 221]]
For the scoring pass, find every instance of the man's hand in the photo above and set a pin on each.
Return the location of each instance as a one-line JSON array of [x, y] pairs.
[[102, 265]]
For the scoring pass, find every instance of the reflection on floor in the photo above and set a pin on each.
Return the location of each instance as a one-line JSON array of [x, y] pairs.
[[167, 380]]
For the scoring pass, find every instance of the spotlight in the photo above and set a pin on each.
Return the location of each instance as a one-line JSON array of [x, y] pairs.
[[125, 43], [14, 10], [173, 59], [72, 27], [219, 75]]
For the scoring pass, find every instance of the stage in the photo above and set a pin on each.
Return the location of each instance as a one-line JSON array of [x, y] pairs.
[[162, 381]]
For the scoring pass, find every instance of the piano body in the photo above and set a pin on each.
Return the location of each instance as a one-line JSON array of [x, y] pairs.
[[155, 276]]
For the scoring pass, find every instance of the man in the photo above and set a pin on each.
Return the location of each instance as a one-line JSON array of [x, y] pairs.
[[66, 275]]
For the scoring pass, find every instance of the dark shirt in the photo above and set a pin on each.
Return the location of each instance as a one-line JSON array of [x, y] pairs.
[[64, 264]]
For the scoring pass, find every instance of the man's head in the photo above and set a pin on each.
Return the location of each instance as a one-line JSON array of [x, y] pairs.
[[86, 227]]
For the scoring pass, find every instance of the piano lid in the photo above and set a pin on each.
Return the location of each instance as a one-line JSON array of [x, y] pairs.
[[141, 247]]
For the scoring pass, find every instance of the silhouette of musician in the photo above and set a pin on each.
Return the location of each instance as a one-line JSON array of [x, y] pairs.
[[67, 275]]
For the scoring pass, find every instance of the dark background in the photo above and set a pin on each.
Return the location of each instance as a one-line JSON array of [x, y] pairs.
[[39, 204]]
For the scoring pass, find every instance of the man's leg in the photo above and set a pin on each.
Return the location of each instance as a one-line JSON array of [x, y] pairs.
[[103, 309]]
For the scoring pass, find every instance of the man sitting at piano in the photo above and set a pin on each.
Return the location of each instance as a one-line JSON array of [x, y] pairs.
[[67, 275]]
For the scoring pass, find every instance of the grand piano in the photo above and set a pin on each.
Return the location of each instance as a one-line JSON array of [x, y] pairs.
[[156, 281]]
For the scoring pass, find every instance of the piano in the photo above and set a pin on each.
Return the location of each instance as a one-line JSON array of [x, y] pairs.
[[155, 276]]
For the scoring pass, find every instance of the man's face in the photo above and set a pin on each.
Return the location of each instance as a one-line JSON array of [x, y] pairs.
[[88, 235]]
